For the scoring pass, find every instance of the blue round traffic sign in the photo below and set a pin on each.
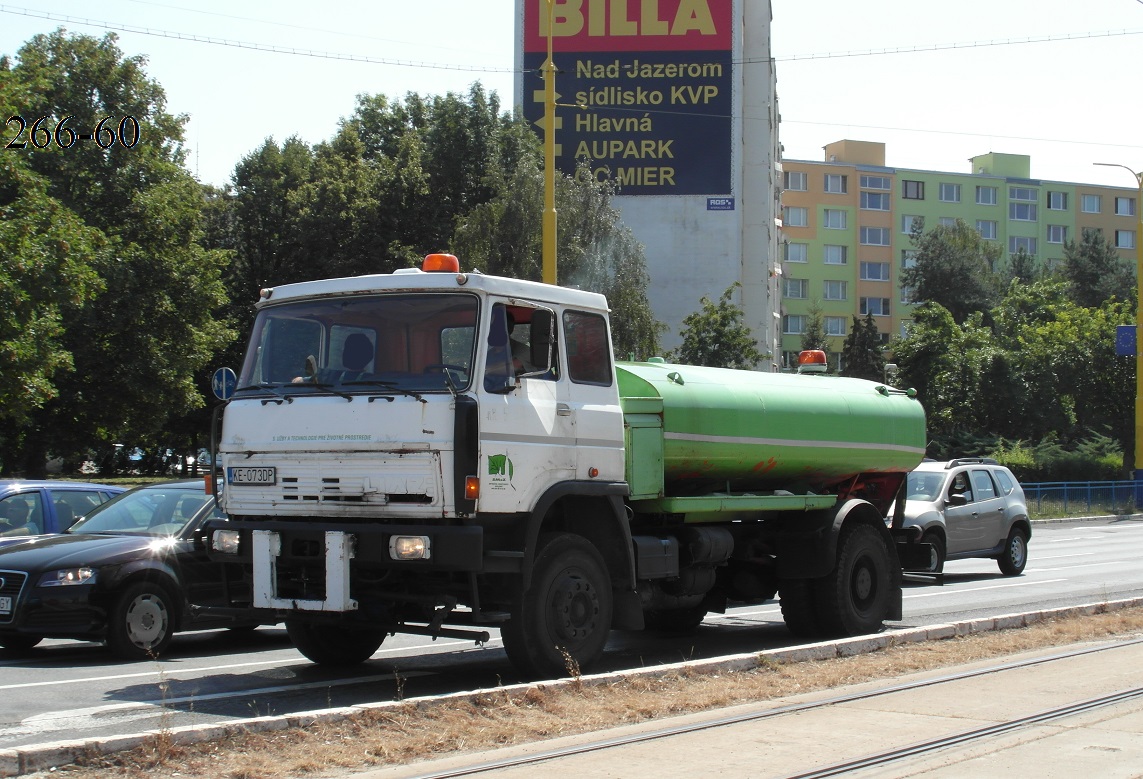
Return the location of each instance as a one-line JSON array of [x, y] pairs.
[[223, 383]]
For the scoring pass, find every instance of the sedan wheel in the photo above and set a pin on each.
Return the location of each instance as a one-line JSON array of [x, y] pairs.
[[141, 623]]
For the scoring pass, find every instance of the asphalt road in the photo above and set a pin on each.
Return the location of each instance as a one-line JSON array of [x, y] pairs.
[[72, 690]]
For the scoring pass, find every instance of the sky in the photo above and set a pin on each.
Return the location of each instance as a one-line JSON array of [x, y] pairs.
[[938, 83]]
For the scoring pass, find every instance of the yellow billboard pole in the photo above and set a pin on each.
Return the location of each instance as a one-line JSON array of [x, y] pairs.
[[1138, 465], [549, 223]]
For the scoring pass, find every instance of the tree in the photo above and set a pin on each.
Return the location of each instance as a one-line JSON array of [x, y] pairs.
[[715, 336], [863, 354], [145, 340], [942, 360], [954, 268], [1095, 272], [814, 337]]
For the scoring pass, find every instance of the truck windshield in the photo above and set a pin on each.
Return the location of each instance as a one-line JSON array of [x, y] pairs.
[[398, 343]]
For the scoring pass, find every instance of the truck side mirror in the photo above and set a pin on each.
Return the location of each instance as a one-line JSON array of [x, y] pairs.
[[541, 337]]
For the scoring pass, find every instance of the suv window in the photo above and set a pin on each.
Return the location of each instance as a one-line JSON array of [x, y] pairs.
[[1005, 482], [982, 485], [960, 486]]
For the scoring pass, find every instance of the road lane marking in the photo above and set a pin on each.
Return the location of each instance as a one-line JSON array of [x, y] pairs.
[[979, 589]]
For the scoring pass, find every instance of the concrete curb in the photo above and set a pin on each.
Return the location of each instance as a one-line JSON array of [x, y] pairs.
[[42, 757]]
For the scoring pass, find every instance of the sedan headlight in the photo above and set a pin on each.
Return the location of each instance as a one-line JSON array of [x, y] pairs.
[[68, 576]]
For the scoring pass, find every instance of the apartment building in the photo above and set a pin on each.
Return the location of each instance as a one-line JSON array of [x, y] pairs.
[[846, 224]]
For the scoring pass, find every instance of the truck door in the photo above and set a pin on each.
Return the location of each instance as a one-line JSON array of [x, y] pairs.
[[527, 429]]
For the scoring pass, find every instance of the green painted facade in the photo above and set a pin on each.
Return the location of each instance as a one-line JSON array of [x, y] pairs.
[[998, 197]]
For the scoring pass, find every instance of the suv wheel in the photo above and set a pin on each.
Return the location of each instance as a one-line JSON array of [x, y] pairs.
[[1015, 555]]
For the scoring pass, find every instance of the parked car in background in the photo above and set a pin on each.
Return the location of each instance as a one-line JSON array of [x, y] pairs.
[[969, 507], [33, 507], [126, 574]]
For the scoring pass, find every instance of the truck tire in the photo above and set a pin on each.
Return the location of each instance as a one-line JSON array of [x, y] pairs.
[[796, 599], [560, 624], [853, 599], [334, 645]]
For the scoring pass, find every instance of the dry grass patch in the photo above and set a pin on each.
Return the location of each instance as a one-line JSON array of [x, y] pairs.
[[416, 731]]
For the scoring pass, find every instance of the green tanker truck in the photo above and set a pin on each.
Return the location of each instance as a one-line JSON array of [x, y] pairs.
[[445, 453]]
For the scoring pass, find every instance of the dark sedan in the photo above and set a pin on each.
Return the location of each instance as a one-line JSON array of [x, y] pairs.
[[125, 574]]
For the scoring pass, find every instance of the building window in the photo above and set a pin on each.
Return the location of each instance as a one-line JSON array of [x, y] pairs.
[[1022, 212], [794, 180], [1091, 232], [797, 252], [908, 258], [874, 271], [1124, 239], [833, 219], [907, 296], [1023, 207], [1091, 204], [793, 324], [834, 325], [836, 183], [833, 290], [1057, 233], [875, 306], [797, 289], [948, 193], [875, 236], [913, 190], [986, 228], [795, 216], [947, 221], [1018, 242], [1125, 206], [1058, 201], [875, 182], [908, 220], [986, 196], [875, 201], [834, 255]]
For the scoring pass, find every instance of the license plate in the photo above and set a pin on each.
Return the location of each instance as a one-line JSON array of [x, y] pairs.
[[249, 475], [5, 605]]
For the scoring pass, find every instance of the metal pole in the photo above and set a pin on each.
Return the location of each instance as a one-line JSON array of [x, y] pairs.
[[1138, 461], [549, 222]]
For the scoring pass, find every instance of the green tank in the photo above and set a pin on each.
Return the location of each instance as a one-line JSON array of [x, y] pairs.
[[716, 428]]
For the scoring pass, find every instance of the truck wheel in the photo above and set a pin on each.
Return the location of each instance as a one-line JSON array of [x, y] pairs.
[[796, 598], [1015, 555], [334, 645], [675, 620], [560, 624], [142, 622], [853, 598]]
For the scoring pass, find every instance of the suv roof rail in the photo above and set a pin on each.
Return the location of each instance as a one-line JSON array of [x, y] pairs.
[[971, 461]]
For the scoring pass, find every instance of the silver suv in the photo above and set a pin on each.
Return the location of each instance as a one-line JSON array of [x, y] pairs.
[[970, 507]]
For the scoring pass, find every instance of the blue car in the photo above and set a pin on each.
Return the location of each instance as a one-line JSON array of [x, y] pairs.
[[32, 508]]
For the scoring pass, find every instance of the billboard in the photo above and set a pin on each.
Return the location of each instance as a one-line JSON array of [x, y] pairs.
[[644, 90]]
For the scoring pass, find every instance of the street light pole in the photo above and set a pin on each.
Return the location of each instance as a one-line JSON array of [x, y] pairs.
[[1138, 318]]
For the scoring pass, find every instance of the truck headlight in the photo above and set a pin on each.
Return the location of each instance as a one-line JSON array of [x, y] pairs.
[[225, 541], [68, 576], [410, 548]]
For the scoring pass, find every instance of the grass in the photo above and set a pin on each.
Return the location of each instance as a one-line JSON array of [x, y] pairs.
[[412, 732]]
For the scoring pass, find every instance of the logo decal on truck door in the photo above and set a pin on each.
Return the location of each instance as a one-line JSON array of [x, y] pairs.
[[500, 471]]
